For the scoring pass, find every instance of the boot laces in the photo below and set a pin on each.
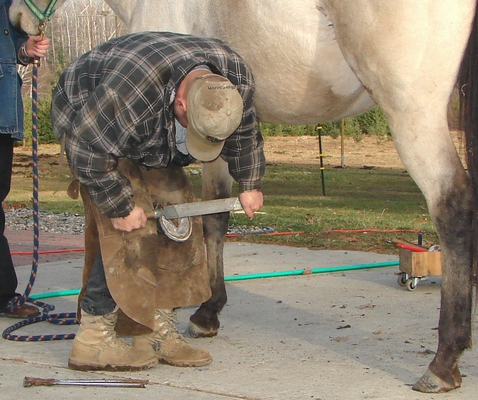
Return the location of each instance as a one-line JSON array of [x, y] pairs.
[[166, 327], [107, 323]]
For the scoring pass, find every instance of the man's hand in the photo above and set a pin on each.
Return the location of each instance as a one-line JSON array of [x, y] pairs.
[[251, 202], [36, 46], [135, 220]]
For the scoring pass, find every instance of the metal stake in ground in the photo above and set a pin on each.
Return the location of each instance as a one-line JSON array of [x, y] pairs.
[[319, 137], [124, 383]]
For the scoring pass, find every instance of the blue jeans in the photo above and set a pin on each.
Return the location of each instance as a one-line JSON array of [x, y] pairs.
[[8, 277], [97, 299]]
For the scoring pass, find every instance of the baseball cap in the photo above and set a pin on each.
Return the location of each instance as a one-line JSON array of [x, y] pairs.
[[214, 110]]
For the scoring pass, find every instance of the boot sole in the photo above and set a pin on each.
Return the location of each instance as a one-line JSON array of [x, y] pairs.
[[108, 367], [179, 363]]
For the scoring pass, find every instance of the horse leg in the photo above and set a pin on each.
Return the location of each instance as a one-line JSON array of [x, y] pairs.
[[217, 183], [452, 215], [432, 161], [414, 96], [428, 153]]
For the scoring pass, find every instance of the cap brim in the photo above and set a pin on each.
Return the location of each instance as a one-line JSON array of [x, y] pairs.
[[201, 149]]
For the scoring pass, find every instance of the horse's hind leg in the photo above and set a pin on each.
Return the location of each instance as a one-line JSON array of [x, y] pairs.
[[428, 153], [453, 221], [217, 183], [430, 157], [410, 73]]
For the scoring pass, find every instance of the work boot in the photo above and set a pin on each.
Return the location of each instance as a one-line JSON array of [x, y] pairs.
[[169, 345], [96, 347]]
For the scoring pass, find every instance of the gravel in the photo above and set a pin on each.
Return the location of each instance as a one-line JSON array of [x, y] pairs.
[[74, 224], [22, 219]]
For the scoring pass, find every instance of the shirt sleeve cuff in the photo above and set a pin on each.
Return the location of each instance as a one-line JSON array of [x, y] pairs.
[[248, 186], [120, 212], [23, 57]]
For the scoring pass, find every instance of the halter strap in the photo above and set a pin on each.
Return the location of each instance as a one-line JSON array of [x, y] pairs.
[[41, 15]]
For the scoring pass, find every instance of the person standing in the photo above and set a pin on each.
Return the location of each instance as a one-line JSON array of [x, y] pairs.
[[15, 48]]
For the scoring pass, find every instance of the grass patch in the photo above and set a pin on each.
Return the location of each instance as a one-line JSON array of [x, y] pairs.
[[356, 199]]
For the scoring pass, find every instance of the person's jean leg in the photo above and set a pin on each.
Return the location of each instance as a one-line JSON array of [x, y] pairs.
[[97, 299], [8, 277]]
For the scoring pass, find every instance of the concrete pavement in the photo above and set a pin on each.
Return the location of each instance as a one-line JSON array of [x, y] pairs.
[[341, 335]]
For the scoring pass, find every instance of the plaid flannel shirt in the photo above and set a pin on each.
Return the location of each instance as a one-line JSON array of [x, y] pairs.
[[114, 102]]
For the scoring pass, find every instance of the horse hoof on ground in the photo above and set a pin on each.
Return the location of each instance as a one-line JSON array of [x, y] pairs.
[[430, 383], [203, 323], [197, 331]]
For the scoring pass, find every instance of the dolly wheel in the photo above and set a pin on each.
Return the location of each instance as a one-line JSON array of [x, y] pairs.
[[411, 285], [402, 279]]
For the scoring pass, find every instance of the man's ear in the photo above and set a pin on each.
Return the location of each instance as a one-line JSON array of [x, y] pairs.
[[181, 103]]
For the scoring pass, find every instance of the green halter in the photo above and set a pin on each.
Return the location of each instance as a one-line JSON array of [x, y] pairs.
[[42, 16]]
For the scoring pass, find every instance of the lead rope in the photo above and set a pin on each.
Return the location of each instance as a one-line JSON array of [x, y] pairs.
[[18, 301]]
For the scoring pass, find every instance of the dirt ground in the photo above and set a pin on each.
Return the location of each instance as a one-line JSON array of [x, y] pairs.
[[370, 151], [305, 150], [280, 150]]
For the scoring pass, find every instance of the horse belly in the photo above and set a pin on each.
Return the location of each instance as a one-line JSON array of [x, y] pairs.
[[300, 73]]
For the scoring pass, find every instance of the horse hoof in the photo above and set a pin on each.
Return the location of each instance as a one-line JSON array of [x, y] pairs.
[[195, 331], [430, 383]]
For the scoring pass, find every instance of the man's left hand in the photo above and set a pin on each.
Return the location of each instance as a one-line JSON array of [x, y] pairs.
[[251, 202]]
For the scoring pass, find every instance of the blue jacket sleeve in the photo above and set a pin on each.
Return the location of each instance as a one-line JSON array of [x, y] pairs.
[[18, 38]]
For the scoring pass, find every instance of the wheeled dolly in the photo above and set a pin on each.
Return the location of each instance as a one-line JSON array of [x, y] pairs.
[[416, 266]]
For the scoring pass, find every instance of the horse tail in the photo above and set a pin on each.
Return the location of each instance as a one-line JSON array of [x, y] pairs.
[[468, 87], [468, 90]]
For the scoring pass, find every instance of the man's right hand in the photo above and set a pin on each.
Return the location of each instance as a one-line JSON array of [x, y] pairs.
[[135, 220]]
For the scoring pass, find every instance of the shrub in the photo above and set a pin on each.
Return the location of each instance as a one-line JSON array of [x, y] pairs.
[[372, 122], [45, 131], [287, 130]]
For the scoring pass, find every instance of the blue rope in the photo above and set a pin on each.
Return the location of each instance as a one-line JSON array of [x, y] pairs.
[[18, 301], [58, 319]]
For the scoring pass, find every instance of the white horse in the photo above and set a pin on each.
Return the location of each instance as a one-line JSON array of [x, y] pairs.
[[320, 60]]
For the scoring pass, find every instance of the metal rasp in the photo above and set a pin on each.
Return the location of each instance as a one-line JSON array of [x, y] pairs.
[[196, 208], [124, 383]]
